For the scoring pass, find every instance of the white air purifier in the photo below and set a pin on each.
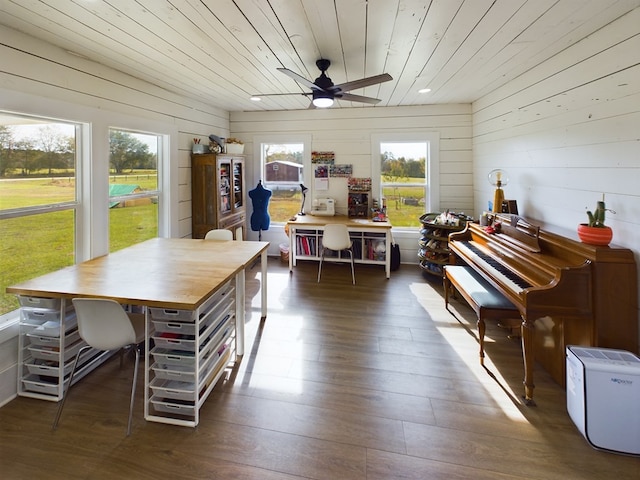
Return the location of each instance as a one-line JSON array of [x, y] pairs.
[[603, 397]]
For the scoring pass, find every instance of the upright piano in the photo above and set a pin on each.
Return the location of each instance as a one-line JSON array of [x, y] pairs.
[[567, 292]]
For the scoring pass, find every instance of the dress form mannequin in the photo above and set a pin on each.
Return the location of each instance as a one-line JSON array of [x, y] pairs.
[[260, 219]]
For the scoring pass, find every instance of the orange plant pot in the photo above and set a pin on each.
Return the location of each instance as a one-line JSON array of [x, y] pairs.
[[594, 235]]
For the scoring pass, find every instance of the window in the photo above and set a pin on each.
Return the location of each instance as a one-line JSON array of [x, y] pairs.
[[283, 170], [133, 187], [403, 167], [38, 199]]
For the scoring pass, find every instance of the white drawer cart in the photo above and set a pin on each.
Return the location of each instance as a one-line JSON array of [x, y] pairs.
[[187, 353], [48, 343]]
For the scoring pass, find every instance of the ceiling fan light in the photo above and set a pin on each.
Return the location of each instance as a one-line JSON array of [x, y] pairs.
[[322, 99], [322, 102]]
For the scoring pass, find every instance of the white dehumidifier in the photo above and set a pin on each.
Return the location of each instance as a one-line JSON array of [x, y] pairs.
[[603, 397]]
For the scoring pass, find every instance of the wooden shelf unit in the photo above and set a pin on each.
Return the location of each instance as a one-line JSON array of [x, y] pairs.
[[218, 196], [433, 245]]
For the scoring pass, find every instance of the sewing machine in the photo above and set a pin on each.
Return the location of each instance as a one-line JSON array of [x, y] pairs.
[[323, 207]]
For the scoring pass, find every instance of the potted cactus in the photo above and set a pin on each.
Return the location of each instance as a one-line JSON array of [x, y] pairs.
[[596, 232]]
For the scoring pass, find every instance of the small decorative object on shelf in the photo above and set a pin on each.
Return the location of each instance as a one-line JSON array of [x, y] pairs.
[[198, 147], [434, 243], [596, 232], [234, 146], [379, 213], [498, 178], [358, 201]]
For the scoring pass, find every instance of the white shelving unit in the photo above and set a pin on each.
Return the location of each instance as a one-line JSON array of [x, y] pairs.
[[371, 240], [191, 349], [48, 343], [368, 247]]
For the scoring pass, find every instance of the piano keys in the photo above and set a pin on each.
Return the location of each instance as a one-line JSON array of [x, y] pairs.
[[567, 292]]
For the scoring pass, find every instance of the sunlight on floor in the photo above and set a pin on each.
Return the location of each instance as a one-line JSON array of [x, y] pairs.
[[453, 332]]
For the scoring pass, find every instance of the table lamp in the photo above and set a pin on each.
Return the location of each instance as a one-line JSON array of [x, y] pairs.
[[304, 197], [498, 178]]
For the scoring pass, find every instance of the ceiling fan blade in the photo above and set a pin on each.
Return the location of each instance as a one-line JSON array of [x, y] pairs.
[[350, 97], [364, 82], [300, 79], [279, 94]]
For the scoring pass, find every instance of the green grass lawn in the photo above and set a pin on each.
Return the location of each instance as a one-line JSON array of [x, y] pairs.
[[38, 244]]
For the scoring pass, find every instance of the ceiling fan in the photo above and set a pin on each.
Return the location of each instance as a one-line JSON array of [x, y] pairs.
[[324, 92]]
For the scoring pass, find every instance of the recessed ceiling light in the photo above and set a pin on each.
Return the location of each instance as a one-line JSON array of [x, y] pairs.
[[424, 90], [255, 99]]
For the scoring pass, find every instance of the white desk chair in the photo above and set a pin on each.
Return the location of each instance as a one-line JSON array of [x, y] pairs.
[[336, 237], [219, 234], [104, 325]]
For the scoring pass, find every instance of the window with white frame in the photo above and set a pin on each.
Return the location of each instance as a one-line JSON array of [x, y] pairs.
[[284, 164], [405, 176], [133, 187], [39, 168]]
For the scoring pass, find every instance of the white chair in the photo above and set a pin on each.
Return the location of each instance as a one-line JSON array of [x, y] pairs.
[[104, 325], [336, 237], [219, 234]]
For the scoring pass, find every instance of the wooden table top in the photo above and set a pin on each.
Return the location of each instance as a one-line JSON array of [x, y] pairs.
[[313, 220], [175, 273]]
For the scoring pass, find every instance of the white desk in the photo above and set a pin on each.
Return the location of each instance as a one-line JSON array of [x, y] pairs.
[[305, 234]]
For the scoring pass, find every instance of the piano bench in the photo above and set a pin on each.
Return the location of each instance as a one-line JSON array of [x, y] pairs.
[[481, 296]]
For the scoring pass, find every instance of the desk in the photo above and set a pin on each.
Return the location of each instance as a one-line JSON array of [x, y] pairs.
[[305, 235], [176, 275]]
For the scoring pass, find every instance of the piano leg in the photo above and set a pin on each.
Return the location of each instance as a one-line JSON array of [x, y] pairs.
[[528, 333], [481, 332]]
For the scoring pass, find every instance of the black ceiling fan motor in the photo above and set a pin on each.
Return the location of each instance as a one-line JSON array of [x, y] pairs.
[[323, 81]]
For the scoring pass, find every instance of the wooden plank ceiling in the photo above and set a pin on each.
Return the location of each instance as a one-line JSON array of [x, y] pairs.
[[222, 51]]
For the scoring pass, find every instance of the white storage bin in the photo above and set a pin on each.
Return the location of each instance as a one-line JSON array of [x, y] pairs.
[[34, 383], [173, 315], [53, 353], [173, 407], [38, 302], [52, 328], [186, 343], [173, 357], [49, 341], [181, 373], [47, 368], [173, 389], [179, 328]]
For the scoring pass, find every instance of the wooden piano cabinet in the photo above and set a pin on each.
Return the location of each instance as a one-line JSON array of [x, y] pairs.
[[579, 294]]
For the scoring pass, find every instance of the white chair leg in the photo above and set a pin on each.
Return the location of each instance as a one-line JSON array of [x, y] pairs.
[[65, 392], [133, 388], [320, 266], [353, 274]]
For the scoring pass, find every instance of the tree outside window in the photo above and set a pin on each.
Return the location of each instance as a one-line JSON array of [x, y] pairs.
[[133, 188], [403, 181]]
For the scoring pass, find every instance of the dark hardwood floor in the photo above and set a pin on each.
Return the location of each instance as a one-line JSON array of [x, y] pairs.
[[372, 381]]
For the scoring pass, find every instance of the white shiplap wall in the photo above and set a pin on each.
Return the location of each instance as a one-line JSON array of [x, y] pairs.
[[39, 79], [347, 132], [567, 132]]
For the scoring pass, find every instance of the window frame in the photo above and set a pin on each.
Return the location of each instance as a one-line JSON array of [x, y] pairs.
[[432, 165], [157, 193], [9, 320], [260, 140]]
